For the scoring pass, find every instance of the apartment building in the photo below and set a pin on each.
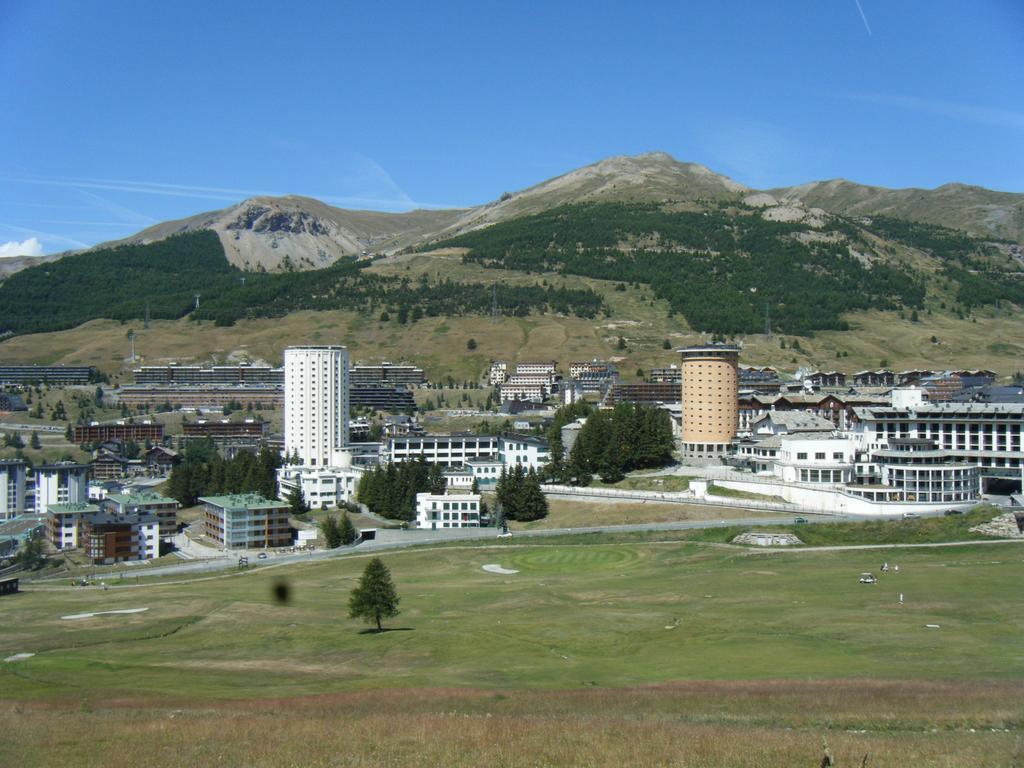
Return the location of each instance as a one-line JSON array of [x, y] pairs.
[[63, 482], [386, 374], [135, 432], [108, 538], [12, 488], [246, 521], [195, 375], [64, 523], [54, 375], [164, 509]]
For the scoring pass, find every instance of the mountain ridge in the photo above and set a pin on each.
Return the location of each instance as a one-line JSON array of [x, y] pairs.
[[295, 232]]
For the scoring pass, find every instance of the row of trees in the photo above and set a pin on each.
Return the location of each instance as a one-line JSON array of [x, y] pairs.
[[518, 496], [202, 471], [612, 443]]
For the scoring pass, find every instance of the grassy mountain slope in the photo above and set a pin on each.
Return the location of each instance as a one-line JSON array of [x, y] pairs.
[[977, 210], [439, 344], [164, 278]]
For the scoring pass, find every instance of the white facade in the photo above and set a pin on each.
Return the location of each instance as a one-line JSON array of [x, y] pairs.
[[817, 459], [499, 373], [457, 510], [316, 404], [536, 368], [450, 450], [486, 470], [62, 483], [465, 448], [527, 452], [12, 488], [532, 393], [322, 487], [988, 435]]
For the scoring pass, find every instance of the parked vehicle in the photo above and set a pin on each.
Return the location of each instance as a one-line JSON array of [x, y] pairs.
[[868, 578]]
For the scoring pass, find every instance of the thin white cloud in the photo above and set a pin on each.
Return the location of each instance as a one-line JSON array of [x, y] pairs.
[[387, 195], [29, 247], [125, 214], [863, 17], [957, 110]]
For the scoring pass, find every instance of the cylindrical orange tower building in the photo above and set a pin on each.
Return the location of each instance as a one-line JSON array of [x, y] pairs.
[[710, 400]]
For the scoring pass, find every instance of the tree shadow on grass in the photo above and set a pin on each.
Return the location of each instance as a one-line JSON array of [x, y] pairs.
[[375, 631]]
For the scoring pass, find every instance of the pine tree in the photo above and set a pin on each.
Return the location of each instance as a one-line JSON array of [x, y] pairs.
[[347, 530], [34, 441], [297, 502], [375, 597], [331, 530]]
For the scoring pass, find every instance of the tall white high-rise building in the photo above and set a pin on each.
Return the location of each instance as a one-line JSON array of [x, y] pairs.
[[12, 488], [64, 482], [316, 405]]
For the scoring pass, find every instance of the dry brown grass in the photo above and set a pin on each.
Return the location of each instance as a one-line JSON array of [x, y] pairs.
[[694, 724]]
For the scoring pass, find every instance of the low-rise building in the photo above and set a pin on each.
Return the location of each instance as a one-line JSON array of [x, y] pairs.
[[486, 470], [455, 510], [322, 487], [163, 508], [386, 374], [109, 538], [246, 521], [138, 432], [64, 522]]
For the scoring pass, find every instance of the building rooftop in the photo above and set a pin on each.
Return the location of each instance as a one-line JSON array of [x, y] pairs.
[[142, 497], [72, 508], [242, 501], [796, 421]]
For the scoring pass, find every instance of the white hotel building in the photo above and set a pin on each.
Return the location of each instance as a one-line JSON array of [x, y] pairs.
[[316, 409]]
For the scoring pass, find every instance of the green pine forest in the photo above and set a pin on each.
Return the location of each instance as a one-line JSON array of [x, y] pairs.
[[723, 266], [119, 283]]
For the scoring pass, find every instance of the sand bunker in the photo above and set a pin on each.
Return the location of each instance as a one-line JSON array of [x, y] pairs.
[[75, 616], [495, 568]]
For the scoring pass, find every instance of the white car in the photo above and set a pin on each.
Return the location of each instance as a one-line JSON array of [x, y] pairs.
[[868, 578]]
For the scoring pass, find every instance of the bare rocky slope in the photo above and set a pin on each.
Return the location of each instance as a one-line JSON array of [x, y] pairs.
[[261, 231], [294, 232]]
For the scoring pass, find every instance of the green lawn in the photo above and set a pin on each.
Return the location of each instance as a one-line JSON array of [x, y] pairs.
[[574, 615], [593, 654]]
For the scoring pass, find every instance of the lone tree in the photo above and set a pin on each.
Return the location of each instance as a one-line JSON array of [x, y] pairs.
[[374, 598]]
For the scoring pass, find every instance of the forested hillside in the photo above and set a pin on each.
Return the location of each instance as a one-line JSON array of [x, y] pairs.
[[119, 283], [723, 266]]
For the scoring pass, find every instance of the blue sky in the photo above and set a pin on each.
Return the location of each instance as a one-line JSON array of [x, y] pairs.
[[122, 114]]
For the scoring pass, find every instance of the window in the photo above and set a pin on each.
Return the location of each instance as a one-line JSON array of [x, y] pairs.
[[838, 455], [819, 456], [801, 456]]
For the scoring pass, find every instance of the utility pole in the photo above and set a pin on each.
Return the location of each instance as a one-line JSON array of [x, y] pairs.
[[767, 322], [197, 302], [145, 323], [131, 338], [494, 302]]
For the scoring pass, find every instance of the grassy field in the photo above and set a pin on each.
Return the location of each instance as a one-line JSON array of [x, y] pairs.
[[439, 345], [640, 654], [568, 513]]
